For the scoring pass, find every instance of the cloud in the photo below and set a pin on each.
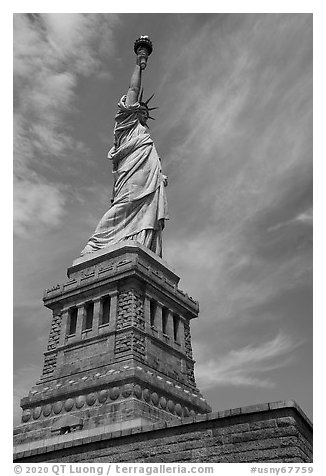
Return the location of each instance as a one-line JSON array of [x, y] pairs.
[[51, 53], [237, 146], [305, 217], [226, 98], [36, 203], [242, 367]]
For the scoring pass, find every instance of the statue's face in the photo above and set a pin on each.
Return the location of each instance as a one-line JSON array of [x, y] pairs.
[[143, 116]]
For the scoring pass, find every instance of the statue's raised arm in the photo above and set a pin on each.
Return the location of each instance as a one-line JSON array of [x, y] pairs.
[[139, 207], [135, 85], [143, 48]]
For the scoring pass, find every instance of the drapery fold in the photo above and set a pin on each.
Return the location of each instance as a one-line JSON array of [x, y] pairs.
[[139, 199]]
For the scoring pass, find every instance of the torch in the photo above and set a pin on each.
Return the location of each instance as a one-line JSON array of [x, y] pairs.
[[143, 47]]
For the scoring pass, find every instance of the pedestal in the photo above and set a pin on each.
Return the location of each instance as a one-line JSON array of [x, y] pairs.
[[119, 354]]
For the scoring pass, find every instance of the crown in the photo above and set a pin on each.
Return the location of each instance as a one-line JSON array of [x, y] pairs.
[[145, 103]]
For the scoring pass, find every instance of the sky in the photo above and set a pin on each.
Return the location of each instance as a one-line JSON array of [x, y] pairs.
[[234, 133]]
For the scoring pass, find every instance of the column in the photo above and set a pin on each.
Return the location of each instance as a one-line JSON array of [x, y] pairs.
[[65, 323], [112, 325], [183, 348], [113, 307], [182, 334], [97, 315], [187, 338], [169, 326], [64, 326], [158, 319], [80, 320], [147, 311]]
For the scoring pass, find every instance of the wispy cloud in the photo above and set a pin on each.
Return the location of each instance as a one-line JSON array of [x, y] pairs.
[[237, 117], [36, 204], [244, 366], [51, 53], [305, 217]]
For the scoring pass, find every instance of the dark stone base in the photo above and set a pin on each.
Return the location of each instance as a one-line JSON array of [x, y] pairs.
[[269, 433]]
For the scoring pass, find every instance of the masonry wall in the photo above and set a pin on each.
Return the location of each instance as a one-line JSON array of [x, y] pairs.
[[271, 432]]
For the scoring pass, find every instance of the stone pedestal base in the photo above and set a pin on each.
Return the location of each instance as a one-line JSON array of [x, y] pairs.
[[119, 354], [276, 432]]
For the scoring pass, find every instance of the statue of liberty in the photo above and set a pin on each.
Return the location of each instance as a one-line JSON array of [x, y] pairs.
[[138, 206]]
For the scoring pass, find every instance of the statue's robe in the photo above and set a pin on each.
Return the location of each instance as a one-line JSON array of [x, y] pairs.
[[139, 205]]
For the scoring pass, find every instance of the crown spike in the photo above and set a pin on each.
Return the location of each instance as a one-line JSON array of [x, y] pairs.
[[146, 102], [152, 108], [149, 117], [141, 95]]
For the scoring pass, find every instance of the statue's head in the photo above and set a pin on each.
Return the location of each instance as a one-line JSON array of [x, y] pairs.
[[144, 109], [143, 114]]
